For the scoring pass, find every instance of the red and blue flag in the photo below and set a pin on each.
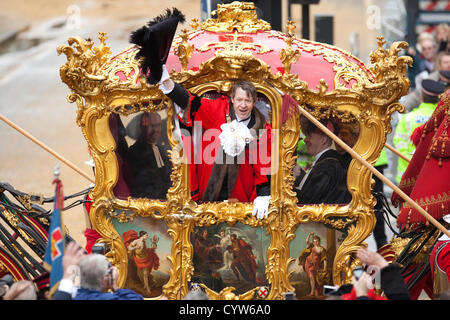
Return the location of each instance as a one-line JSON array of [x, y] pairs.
[[55, 247]]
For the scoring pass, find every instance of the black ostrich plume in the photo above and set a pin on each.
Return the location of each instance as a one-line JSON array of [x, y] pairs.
[[155, 40]]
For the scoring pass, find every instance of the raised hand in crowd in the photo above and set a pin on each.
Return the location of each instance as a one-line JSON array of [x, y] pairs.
[[73, 256], [371, 258]]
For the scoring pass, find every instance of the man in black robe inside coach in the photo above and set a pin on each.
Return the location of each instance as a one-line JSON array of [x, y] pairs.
[[148, 160], [326, 181]]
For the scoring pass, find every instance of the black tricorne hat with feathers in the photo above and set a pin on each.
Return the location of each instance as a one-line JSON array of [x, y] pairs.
[[155, 40]]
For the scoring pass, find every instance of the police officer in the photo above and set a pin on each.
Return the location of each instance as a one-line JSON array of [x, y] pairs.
[[408, 122], [444, 78]]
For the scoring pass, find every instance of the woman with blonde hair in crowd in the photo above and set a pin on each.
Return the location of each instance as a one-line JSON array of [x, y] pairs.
[[442, 35]]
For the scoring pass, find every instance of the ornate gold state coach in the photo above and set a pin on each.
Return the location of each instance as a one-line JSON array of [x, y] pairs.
[[208, 58]]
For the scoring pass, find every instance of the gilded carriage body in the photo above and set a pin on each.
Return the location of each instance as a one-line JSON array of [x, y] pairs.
[[209, 57]]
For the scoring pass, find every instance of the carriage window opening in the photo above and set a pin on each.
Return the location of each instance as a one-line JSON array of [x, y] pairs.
[[142, 155], [321, 170]]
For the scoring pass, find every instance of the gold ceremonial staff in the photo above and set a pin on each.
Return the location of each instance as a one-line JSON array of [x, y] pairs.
[[374, 171], [46, 148]]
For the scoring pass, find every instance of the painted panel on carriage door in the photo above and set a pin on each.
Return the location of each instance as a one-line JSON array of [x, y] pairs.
[[313, 248], [230, 256], [148, 246]]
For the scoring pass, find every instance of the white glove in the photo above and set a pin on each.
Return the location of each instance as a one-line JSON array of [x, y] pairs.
[[234, 137], [261, 206], [168, 86]]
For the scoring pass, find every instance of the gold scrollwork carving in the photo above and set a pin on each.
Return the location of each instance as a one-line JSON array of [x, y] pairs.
[[80, 72], [240, 16], [184, 50], [228, 294], [288, 56]]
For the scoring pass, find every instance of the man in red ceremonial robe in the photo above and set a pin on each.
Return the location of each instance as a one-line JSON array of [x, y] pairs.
[[235, 146], [425, 181], [235, 151], [244, 261]]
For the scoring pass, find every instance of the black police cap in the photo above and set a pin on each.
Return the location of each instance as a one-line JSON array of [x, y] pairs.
[[445, 74], [432, 88]]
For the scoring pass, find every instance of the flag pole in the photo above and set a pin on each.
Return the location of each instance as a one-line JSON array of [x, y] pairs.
[[56, 237], [46, 148], [373, 170], [59, 195], [59, 199]]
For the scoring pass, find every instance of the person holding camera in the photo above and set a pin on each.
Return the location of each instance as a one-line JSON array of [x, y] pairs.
[[98, 279], [392, 282]]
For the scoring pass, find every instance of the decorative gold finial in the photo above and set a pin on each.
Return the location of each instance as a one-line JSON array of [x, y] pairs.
[[380, 41], [228, 294], [81, 71], [290, 26], [387, 64], [240, 16], [288, 56], [184, 50], [323, 87], [194, 24], [102, 37]]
